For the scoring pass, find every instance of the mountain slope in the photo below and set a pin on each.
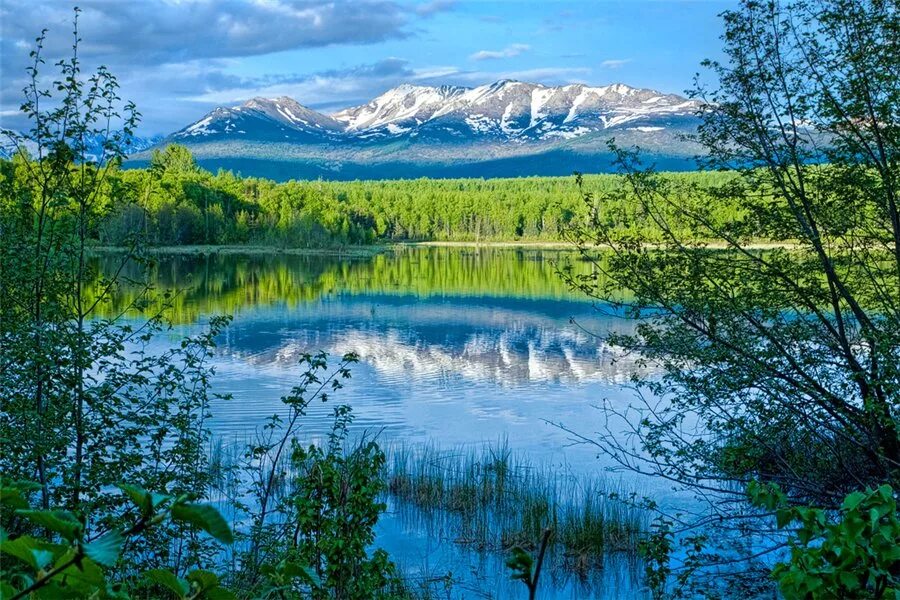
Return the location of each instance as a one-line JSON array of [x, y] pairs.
[[401, 108], [444, 131], [273, 119]]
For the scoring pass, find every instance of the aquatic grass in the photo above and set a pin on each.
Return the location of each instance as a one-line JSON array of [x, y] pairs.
[[496, 499]]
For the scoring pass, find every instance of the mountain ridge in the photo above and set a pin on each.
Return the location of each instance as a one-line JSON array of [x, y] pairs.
[[443, 130], [505, 109]]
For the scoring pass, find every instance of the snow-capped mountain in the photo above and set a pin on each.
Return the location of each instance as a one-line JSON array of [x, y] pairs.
[[263, 119], [512, 110], [399, 110], [504, 128]]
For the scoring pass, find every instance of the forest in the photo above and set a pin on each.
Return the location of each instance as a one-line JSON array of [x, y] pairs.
[[173, 202]]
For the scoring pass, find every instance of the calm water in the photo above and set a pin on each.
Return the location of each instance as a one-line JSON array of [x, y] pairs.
[[456, 347]]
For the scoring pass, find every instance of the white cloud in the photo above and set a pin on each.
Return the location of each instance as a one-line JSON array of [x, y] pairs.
[[615, 63], [171, 54], [508, 52], [138, 33], [434, 72]]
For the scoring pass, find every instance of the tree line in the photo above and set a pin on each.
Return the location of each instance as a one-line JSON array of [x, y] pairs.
[[174, 202]]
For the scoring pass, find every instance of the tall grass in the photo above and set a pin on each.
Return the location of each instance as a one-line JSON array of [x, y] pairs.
[[498, 499]]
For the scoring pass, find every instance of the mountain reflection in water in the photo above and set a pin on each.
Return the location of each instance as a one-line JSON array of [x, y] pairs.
[[456, 347]]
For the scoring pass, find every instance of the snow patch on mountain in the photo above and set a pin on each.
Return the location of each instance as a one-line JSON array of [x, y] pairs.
[[506, 110], [201, 127], [539, 98]]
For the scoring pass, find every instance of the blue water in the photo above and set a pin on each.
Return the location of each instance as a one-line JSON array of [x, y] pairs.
[[448, 367]]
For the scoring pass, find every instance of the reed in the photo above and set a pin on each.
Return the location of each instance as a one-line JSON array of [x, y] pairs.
[[493, 499]]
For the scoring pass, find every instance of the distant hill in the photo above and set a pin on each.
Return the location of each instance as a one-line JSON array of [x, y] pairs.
[[94, 144], [507, 128]]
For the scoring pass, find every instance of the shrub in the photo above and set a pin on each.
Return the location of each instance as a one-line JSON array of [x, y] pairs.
[[853, 554]]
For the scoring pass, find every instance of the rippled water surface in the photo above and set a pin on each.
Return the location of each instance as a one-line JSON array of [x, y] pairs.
[[456, 346]]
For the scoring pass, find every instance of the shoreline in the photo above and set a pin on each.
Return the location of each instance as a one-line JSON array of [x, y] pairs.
[[570, 246], [234, 249], [375, 249]]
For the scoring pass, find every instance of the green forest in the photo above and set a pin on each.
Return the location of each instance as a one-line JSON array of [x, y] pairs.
[[173, 202]]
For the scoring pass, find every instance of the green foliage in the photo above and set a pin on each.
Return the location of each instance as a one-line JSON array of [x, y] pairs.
[[656, 549], [780, 365], [64, 563], [853, 553], [198, 585], [86, 403], [787, 359], [521, 564], [172, 202], [204, 517], [337, 504]]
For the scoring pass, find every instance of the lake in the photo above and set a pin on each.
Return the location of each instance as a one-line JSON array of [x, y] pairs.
[[457, 347]]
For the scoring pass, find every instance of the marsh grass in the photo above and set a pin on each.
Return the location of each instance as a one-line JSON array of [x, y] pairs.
[[491, 498], [488, 498]]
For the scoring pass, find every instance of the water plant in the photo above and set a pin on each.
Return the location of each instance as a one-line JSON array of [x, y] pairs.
[[496, 499]]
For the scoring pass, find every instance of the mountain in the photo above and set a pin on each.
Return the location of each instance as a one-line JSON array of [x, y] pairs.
[[398, 110], [507, 128], [264, 119], [94, 145]]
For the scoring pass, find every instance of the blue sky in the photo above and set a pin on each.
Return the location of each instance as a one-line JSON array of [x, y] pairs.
[[179, 58]]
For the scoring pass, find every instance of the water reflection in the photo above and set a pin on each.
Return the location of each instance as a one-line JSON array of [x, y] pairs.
[[456, 347], [477, 340]]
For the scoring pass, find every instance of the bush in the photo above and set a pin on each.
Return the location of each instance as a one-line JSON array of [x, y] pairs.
[[58, 560], [853, 554]]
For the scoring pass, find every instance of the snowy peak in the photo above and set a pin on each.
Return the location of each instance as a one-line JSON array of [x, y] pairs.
[[289, 111], [510, 109], [263, 118], [506, 110], [404, 106]]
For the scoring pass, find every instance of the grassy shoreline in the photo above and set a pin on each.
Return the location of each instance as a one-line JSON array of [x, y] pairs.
[[570, 246], [225, 249], [374, 249]]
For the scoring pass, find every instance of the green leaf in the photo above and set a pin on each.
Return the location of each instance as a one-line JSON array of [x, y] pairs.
[[852, 501], [13, 498], [307, 574], [42, 558], [157, 499], [168, 580], [13, 493], [520, 563], [59, 591], [206, 518], [22, 548], [219, 593], [205, 580], [86, 574], [849, 580], [783, 517], [141, 498], [105, 550], [6, 591], [61, 522]]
